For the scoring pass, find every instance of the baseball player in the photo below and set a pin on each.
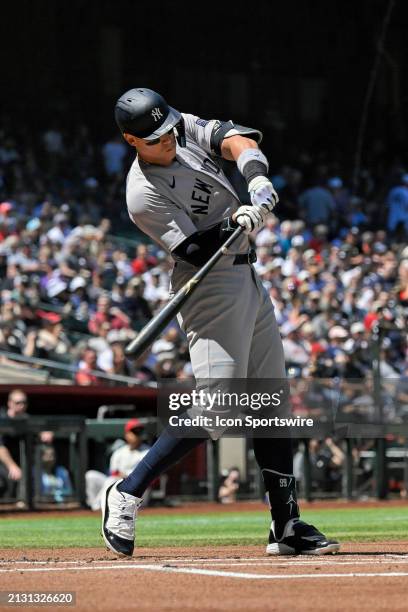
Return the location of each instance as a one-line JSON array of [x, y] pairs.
[[178, 195]]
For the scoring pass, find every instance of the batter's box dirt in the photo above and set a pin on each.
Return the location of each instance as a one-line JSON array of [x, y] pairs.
[[369, 576]]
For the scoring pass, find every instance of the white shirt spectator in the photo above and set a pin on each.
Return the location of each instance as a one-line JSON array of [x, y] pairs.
[[155, 292], [267, 236], [100, 345], [124, 459], [105, 359], [347, 276], [56, 235], [295, 352]]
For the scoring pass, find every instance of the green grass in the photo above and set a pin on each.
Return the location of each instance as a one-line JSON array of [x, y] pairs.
[[358, 525]]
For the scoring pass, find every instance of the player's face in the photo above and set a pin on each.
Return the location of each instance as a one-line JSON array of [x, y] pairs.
[[133, 438], [161, 151]]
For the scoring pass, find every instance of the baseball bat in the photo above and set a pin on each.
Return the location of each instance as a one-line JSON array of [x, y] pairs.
[[150, 331]]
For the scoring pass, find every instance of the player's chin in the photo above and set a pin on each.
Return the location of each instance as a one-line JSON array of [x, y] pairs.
[[168, 157]]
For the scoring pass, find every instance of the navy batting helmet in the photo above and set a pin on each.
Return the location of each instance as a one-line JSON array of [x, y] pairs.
[[145, 114]]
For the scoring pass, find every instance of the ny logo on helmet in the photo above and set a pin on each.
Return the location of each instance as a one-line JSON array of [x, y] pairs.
[[156, 114]]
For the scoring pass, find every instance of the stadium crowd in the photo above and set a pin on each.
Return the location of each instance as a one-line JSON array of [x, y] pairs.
[[335, 263]]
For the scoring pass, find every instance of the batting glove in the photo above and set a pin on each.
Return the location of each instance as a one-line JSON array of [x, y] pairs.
[[250, 217], [262, 193]]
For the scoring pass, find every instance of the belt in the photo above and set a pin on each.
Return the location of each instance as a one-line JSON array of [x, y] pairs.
[[242, 258], [245, 258]]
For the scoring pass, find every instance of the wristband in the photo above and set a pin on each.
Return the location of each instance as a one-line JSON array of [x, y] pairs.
[[252, 163]]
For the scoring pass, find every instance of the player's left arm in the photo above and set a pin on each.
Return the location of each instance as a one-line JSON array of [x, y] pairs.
[[240, 144], [233, 146], [254, 167]]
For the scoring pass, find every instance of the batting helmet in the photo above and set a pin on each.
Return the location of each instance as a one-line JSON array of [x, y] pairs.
[[145, 114]]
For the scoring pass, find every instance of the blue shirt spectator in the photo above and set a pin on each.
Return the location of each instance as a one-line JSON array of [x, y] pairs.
[[398, 205], [114, 153], [318, 205]]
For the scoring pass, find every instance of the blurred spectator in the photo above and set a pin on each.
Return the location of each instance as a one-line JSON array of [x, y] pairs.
[[289, 193], [326, 459], [155, 291], [397, 201], [135, 305], [59, 229], [227, 493], [113, 359], [50, 342], [114, 152], [10, 471], [143, 261], [106, 313], [341, 199], [167, 343], [267, 236], [86, 367], [402, 288], [123, 460], [53, 140], [11, 338], [55, 479], [318, 206], [297, 351], [401, 395]]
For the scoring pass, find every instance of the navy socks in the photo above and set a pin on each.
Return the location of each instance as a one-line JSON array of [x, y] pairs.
[[165, 452]]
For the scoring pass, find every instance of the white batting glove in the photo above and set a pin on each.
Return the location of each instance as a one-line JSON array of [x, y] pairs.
[[262, 193], [250, 217]]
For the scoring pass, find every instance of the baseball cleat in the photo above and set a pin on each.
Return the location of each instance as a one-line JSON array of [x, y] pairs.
[[299, 538], [119, 511]]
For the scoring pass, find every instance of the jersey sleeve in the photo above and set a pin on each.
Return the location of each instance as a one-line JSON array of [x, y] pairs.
[[199, 130], [160, 218]]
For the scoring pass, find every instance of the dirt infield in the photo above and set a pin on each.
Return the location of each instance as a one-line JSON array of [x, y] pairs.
[[362, 577]]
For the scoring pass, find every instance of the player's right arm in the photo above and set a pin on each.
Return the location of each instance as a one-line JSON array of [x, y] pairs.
[[171, 227], [157, 216]]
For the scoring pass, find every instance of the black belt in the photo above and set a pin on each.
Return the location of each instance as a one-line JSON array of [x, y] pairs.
[[245, 258], [242, 258]]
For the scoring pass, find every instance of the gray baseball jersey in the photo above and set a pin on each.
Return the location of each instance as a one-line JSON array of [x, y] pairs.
[[229, 319], [190, 195]]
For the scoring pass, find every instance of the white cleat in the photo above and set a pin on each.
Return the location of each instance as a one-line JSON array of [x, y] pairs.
[[119, 513]]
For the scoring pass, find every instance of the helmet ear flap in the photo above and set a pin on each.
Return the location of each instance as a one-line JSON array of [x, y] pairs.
[[180, 131]]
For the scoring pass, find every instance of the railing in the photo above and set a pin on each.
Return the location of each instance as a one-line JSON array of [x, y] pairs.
[[56, 365]]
